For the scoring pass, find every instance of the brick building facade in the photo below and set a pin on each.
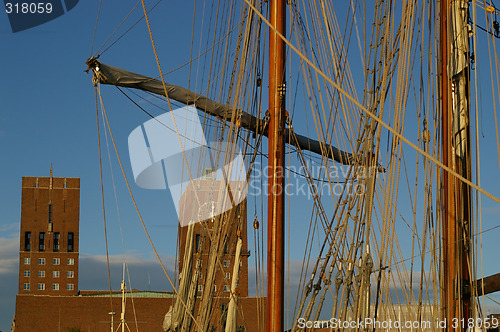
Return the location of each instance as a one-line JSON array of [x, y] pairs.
[[49, 299], [89, 312], [197, 196], [48, 253]]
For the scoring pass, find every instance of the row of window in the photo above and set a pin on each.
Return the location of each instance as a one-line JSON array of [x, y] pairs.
[[41, 286], [55, 242], [226, 288], [55, 261], [226, 275], [55, 274], [197, 247]]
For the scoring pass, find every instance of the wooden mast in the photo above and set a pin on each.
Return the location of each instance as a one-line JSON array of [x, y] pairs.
[[456, 216], [447, 293], [275, 231]]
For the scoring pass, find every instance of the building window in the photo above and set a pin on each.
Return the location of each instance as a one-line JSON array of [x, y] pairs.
[[56, 241], [227, 275], [225, 263], [70, 286], [56, 261], [226, 288], [55, 274], [226, 249], [27, 241], [26, 286], [201, 275], [70, 274], [41, 261], [27, 261], [55, 286], [215, 288], [41, 274], [41, 286], [41, 241], [200, 288], [71, 236], [26, 273], [71, 261], [197, 243]]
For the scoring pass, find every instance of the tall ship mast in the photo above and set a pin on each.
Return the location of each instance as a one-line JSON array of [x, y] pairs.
[[378, 246]]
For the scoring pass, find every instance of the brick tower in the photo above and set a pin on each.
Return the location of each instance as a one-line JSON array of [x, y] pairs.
[[194, 200], [48, 253]]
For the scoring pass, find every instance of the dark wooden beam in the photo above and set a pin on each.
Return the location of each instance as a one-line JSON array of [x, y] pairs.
[[487, 285]]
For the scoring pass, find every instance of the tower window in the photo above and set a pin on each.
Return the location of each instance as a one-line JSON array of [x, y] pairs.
[[41, 286], [71, 261], [70, 274], [200, 288], [55, 274], [41, 261], [41, 274], [226, 288], [27, 261], [70, 241], [26, 273], [70, 286], [197, 243], [56, 261], [55, 286], [26, 286], [41, 241], [56, 241], [27, 241]]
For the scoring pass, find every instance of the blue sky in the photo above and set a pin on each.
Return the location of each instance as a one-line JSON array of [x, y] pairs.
[[47, 116]]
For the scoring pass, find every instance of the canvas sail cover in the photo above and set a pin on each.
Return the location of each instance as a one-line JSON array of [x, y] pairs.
[[173, 317], [105, 74], [458, 68], [233, 303]]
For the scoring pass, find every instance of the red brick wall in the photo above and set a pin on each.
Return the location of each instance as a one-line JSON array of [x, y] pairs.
[[90, 314]]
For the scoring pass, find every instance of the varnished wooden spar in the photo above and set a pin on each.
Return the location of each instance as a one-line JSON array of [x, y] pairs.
[[456, 206], [276, 182], [447, 290], [485, 286]]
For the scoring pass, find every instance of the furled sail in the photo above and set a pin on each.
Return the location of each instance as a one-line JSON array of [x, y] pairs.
[[231, 311], [459, 63], [105, 74], [173, 317]]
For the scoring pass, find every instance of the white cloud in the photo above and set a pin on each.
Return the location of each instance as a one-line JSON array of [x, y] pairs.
[[145, 272], [131, 259], [9, 253]]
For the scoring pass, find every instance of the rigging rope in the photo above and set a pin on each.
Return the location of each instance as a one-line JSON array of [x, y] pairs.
[[102, 198], [374, 116], [137, 209]]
